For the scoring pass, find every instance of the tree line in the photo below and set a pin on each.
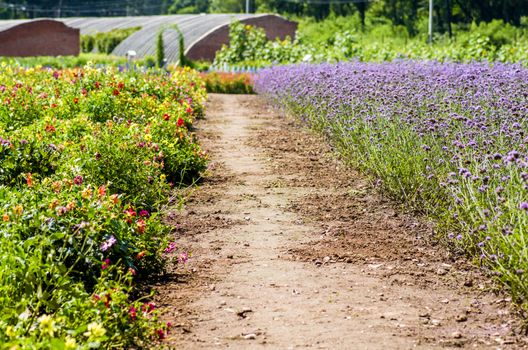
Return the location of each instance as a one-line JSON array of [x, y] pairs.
[[400, 12]]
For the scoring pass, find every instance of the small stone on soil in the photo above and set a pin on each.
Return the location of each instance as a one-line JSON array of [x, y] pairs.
[[456, 335], [461, 318]]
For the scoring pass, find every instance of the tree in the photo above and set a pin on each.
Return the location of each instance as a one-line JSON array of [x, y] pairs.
[[228, 6], [189, 6], [160, 50]]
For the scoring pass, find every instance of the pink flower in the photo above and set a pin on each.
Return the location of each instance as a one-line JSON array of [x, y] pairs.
[[183, 258], [170, 248], [143, 213]]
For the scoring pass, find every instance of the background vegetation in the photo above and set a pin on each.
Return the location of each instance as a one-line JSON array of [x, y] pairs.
[[409, 14]]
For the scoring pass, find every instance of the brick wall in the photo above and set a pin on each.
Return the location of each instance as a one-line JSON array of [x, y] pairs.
[[275, 27], [40, 38]]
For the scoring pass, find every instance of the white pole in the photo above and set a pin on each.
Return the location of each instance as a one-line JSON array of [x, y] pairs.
[[430, 21], [247, 6]]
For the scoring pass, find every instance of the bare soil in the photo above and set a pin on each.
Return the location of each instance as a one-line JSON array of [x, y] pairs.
[[293, 250]]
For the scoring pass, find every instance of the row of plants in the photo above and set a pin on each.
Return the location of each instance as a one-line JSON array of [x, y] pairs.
[[448, 140], [249, 46], [61, 62], [228, 83], [105, 42], [87, 158]]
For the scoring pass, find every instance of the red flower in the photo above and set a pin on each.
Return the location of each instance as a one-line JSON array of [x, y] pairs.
[[115, 92], [141, 254], [29, 180], [114, 198], [120, 86], [76, 100], [50, 128], [78, 180], [166, 117], [130, 212], [105, 264], [189, 110], [148, 307], [97, 85], [144, 213], [108, 299], [181, 122], [161, 333], [84, 92], [132, 312], [102, 191], [141, 224]]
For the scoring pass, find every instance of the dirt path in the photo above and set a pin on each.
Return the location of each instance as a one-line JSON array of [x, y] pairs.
[[292, 250]]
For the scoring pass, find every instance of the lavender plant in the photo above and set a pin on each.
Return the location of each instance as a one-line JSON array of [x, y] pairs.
[[449, 140]]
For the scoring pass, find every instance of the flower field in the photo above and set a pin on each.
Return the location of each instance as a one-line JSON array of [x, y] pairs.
[[449, 140], [87, 157]]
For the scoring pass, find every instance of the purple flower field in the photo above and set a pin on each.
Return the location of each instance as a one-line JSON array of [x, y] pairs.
[[449, 140]]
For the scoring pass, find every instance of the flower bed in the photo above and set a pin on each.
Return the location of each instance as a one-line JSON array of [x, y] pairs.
[[447, 139], [87, 157], [228, 83]]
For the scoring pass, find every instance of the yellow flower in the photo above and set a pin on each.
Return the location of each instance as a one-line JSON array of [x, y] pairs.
[[19, 209], [163, 177], [47, 325], [148, 137], [54, 204], [95, 330], [70, 343], [10, 332], [87, 193]]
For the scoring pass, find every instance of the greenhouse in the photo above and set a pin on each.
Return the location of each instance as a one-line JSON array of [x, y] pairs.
[[203, 34]]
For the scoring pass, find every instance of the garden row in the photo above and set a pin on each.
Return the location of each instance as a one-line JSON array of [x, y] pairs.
[[449, 140], [340, 40], [87, 157]]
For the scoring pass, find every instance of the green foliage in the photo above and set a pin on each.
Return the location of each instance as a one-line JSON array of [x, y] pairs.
[[188, 6], [248, 44], [227, 6], [74, 61], [160, 50], [105, 42], [182, 59], [343, 39]]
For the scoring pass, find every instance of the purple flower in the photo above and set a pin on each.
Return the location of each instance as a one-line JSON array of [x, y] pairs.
[[108, 243], [523, 206]]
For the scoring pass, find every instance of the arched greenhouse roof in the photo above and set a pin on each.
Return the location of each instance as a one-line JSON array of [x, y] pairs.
[[198, 31], [203, 34]]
